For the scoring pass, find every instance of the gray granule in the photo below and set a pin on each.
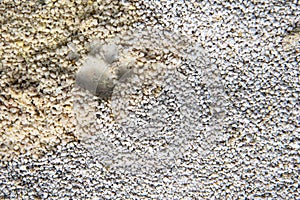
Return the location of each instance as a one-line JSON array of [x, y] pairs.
[[212, 84]]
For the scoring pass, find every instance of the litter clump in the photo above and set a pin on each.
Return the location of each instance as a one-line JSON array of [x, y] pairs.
[[98, 74]]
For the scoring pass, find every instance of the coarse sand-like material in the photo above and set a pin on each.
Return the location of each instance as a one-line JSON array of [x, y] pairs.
[[105, 99]]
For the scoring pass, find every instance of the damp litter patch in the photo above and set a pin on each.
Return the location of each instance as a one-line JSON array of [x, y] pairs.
[[157, 93]]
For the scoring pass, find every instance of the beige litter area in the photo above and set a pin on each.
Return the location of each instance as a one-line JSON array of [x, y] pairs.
[[38, 68]]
